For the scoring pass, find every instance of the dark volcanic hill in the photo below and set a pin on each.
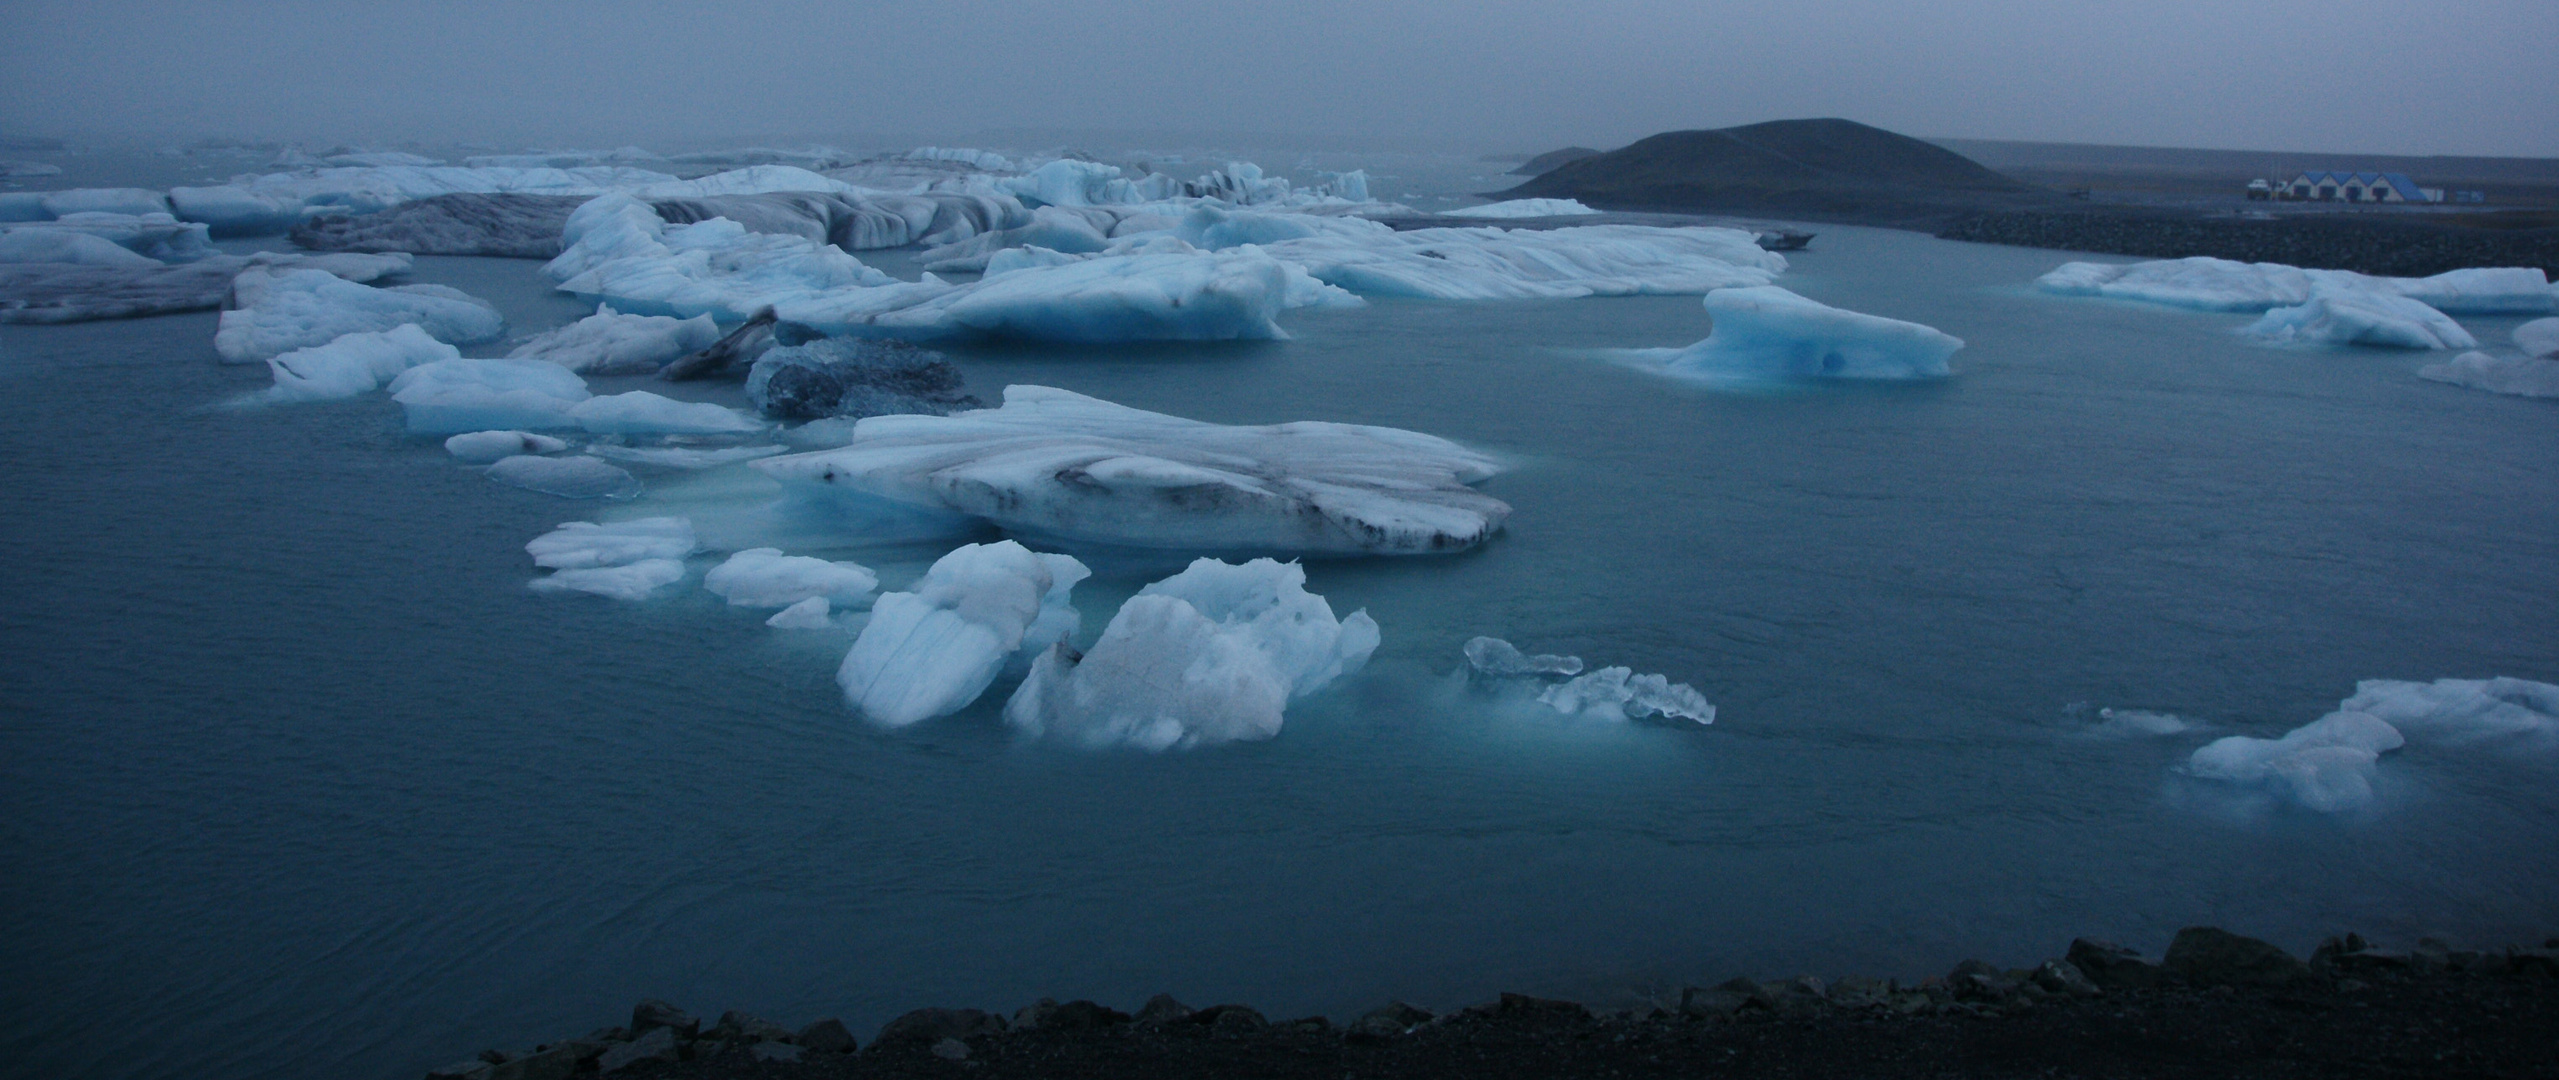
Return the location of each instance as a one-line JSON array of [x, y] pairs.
[[1830, 169], [1552, 160]]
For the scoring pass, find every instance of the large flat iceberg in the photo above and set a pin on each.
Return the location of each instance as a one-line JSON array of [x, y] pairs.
[[931, 651], [2211, 284], [625, 560], [2340, 315], [2329, 764], [1213, 654], [1074, 469], [611, 343]]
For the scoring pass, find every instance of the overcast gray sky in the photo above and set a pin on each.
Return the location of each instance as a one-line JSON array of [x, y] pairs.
[[2378, 76]]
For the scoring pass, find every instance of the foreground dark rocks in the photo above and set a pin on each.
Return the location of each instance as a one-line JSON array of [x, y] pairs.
[[2220, 1005]]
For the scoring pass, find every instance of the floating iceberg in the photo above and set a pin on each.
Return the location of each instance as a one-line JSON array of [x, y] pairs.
[[809, 614], [157, 237], [682, 457], [1213, 296], [2329, 764], [1527, 264], [1766, 332], [586, 545], [231, 210], [2524, 376], [49, 205], [2540, 338], [633, 582], [764, 577], [1493, 657], [854, 222], [279, 200], [2326, 765], [483, 447], [643, 413], [1522, 208], [353, 364], [2211, 284], [1213, 654], [609, 343], [68, 247], [1618, 693], [2336, 315], [477, 394], [931, 651], [566, 477], [1612, 693], [511, 226], [65, 292], [283, 310], [848, 377], [1055, 464]]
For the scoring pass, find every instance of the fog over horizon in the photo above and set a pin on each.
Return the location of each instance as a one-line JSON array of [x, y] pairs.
[[2474, 79]]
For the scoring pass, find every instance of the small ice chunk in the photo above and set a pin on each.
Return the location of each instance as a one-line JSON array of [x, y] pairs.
[[643, 413], [2539, 338], [2139, 723], [483, 447], [1767, 332], [2326, 765], [2524, 376], [566, 477], [353, 364], [481, 394], [607, 343], [1492, 656], [292, 309], [1618, 693], [2461, 711], [2344, 316], [1522, 208], [1210, 655], [764, 577], [931, 651], [630, 582], [809, 614], [579, 545]]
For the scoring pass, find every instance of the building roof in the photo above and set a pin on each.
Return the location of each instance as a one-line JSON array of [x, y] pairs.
[[2399, 182]]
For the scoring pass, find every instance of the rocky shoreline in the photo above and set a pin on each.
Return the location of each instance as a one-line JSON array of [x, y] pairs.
[[2396, 247], [2216, 1004]]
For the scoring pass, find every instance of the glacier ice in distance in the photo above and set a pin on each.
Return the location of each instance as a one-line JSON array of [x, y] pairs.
[[1211, 655], [931, 650], [1072, 469], [1522, 208], [133, 286], [1610, 693], [2210, 284]]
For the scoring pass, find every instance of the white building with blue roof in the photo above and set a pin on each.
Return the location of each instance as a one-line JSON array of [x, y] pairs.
[[2339, 186]]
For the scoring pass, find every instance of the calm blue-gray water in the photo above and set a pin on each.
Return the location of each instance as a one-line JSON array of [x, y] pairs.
[[298, 779]]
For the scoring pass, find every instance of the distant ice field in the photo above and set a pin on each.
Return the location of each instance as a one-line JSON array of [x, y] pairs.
[[297, 774]]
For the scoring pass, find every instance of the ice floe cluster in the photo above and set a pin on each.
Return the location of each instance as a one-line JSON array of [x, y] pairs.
[[1610, 693], [2331, 307], [2329, 764]]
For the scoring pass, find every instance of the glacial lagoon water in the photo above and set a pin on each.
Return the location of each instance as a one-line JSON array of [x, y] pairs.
[[297, 777]]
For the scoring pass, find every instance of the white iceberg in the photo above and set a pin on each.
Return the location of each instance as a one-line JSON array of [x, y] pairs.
[[2336, 315], [134, 201], [280, 311], [586, 545], [640, 412], [1056, 464], [353, 364], [1213, 296], [2523, 376], [483, 447], [2329, 764], [2539, 338], [67, 247], [682, 457], [1213, 654], [609, 343], [635, 581], [232, 210], [157, 237], [278, 200], [1766, 332], [2211, 284], [1523, 208], [1490, 263], [809, 614], [566, 477], [57, 292], [482, 394], [765, 577], [2326, 765], [1617, 693], [1493, 657], [931, 651]]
